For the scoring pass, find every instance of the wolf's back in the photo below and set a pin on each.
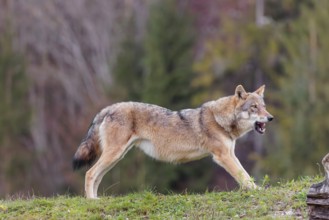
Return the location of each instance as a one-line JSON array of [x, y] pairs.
[[89, 149]]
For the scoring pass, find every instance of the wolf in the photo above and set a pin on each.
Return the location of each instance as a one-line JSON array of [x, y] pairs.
[[173, 136]]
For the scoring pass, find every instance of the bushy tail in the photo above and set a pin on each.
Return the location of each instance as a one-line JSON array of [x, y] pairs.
[[89, 149]]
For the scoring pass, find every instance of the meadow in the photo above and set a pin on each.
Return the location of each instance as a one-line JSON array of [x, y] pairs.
[[285, 200]]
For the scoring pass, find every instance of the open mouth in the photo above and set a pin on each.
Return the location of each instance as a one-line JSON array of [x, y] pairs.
[[260, 127]]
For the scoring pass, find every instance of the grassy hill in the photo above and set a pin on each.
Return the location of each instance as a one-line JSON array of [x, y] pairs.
[[283, 201]]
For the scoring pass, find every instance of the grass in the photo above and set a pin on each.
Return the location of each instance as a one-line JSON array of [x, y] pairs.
[[284, 201]]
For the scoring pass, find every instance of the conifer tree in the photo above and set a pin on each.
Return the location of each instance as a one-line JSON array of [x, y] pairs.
[[128, 71], [168, 56]]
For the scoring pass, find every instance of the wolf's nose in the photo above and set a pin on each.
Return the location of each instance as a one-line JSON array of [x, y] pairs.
[[270, 118]]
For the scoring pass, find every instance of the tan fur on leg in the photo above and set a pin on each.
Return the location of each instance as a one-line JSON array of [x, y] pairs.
[[231, 164]]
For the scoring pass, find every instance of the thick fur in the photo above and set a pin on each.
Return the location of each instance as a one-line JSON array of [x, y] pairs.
[[172, 136]]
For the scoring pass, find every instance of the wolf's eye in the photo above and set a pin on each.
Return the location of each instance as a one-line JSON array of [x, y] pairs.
[[254, 106]]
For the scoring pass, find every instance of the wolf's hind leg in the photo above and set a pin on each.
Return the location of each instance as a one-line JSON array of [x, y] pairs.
[[106, 162], [102, 173]]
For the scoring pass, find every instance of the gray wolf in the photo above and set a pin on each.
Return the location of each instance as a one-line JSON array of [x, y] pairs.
[[173, 136]]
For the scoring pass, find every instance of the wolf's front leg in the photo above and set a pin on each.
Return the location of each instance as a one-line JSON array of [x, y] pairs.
[[250, 182], [232, 165]]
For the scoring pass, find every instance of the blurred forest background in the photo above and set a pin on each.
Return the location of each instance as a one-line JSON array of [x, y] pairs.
[[62, 61]]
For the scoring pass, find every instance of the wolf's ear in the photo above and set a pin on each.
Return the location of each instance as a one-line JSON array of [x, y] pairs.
[[260, 91], [240, 92]]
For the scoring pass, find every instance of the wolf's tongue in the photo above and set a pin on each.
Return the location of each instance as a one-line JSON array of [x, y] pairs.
[[262, 125]]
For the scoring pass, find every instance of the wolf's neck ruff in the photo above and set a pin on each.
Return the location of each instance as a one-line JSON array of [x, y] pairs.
[[235, 124]]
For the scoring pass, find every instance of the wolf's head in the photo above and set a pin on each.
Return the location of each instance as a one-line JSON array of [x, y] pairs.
[[251, 109]]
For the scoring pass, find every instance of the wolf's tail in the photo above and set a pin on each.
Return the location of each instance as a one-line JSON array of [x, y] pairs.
[[89, 149]]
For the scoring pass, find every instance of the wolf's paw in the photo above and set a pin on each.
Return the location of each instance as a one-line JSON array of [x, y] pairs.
[[93, 198], [258, 187], [250, 185]]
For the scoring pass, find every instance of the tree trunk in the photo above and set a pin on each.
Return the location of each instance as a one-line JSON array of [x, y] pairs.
[[318, 195]]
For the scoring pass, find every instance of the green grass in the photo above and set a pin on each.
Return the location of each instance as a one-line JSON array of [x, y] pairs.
[[284, 201]]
